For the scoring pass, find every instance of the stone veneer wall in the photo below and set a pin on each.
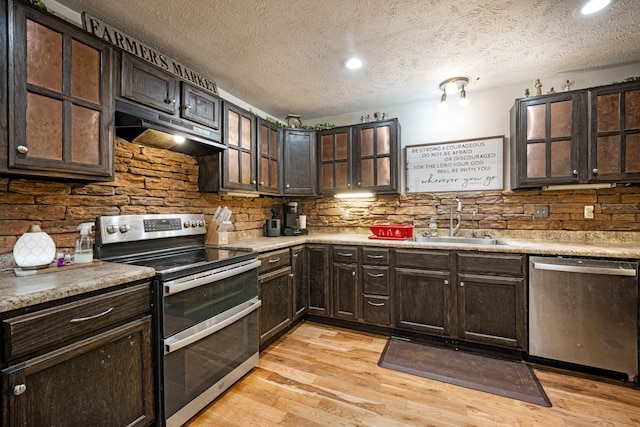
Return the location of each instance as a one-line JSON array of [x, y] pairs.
[[158, 181], [616, 209], [147, 181]]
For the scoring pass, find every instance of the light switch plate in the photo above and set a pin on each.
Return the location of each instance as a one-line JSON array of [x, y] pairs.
[[588, 212], [541, 211]]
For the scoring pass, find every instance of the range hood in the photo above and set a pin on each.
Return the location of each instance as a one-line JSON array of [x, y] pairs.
[[153, 129]]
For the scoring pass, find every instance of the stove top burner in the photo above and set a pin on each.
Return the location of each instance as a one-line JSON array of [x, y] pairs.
[[173, 264], [172, 244]]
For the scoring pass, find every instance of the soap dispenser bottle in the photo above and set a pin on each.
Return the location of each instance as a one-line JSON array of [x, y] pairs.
[[84, 244], [433, 226]]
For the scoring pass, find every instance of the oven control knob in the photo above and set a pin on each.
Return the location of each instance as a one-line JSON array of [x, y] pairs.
[[112, 228], [193, 224], [200, 223], [124, 228], [187, 224]]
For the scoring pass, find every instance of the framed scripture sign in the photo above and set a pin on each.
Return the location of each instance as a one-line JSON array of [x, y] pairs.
[[466, 165]]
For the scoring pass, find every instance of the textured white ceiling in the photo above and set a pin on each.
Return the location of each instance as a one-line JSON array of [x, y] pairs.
[[286, 56]]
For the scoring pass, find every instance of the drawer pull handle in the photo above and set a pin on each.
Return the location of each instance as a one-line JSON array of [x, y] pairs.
[[343, 254], [375, 275], [271, 261], [95, 316], [19, 389], [375, 256], [378, 304]]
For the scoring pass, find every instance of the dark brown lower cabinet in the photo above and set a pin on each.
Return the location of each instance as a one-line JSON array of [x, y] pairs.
[[276, 297], [423, 301], [345, 291], [473, 296], [105, 380], [492, 298], [318, 269], [300, 282]]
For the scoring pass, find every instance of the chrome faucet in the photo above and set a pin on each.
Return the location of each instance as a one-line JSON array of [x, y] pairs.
[[453, 230]]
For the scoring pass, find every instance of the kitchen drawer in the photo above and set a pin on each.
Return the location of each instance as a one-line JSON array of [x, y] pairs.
[[375, 280], [61, 324], [376, 310], [423, 260], [274, 260], [345, 254], [375, 256], [493, 264]]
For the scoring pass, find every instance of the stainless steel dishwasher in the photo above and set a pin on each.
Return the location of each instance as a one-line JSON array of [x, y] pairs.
[[584, 311]]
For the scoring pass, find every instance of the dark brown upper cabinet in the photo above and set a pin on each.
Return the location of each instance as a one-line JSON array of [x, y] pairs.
[[234, 169], [614, 133], [269, 157], [363, 157], [577, 137], [60, 98], [148, 85], [546, 133], [335, 160], [299, 162]]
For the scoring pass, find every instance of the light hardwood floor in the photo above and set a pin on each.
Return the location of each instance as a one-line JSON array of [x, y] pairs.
[[318, 375]]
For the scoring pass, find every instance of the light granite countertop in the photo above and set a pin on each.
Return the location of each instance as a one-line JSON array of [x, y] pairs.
[[55, 283], [595, 248]]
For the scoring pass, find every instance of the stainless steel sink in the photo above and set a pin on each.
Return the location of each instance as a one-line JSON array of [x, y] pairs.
[[460, 240]]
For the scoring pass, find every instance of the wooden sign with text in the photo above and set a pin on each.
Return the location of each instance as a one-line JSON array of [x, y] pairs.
[[467, 165]]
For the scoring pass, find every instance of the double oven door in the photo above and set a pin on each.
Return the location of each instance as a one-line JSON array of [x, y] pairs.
[[209, 324]]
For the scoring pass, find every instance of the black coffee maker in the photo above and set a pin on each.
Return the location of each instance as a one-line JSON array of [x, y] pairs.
[[290, 224]]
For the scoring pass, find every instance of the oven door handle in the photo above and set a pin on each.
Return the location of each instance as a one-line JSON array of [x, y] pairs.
[[179, 285], [190, 336]]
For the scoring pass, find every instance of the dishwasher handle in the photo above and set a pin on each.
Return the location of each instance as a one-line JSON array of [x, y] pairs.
[[585, 269]]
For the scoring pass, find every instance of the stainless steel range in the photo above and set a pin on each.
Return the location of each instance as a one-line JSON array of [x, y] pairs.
[[205, 305]]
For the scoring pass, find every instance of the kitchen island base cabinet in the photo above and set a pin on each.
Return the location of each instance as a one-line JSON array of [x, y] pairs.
[[104, 380]]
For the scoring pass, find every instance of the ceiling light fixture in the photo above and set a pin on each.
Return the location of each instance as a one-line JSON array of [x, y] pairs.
[[353, 63], [452, 85], [593, 6]]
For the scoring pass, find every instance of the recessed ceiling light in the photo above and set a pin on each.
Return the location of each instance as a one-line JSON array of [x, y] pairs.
[[353, 63], [593, 6]]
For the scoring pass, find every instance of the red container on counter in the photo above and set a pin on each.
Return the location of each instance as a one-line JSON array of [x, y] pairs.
[[391, 231]]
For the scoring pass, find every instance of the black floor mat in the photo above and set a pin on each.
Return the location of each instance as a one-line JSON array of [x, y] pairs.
[[515, 380]]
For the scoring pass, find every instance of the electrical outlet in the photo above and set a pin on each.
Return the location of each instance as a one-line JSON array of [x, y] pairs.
[[588, 212], [541, 211]]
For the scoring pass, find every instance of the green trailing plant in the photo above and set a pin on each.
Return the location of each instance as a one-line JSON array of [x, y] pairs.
[[628, 79], [40, 4]]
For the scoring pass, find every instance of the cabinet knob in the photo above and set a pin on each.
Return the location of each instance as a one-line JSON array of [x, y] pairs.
[[170, 101], [446, 282], [353, 273], [288, 186], [575, 172], [291, 275], [261, 182], [22, 149], [595, 170], [187, 107], [19, 389], [254, 182], [461, 284], [359, 184]]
